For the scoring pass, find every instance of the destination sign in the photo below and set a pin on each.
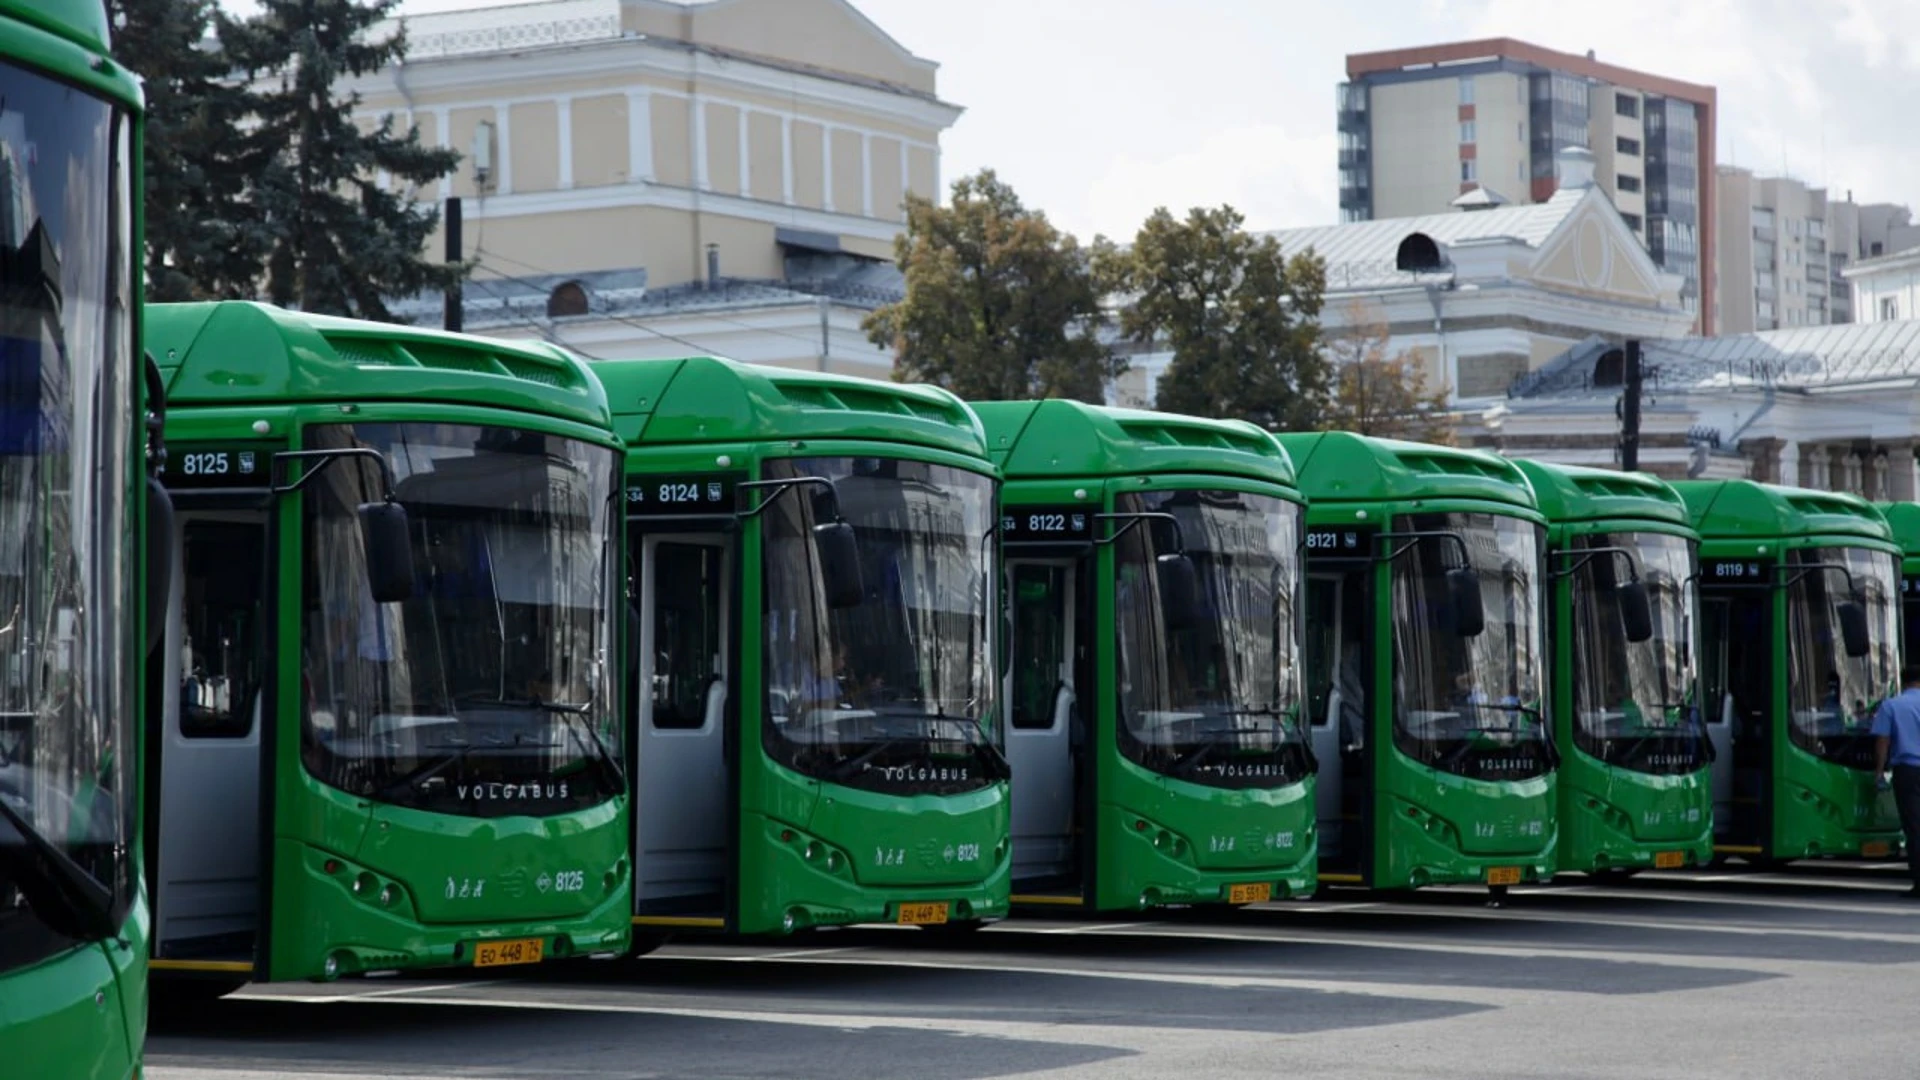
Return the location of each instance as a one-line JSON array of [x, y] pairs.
[[1724, 571], [224, 465], [1339, 541], [1046, 524], [687, 493]]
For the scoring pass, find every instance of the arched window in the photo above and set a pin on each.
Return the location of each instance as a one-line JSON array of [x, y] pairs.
[[567, 299], [1418, 252], [1611, 368]]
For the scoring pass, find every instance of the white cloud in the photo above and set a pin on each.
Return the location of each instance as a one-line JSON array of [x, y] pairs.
[[1274, 177]]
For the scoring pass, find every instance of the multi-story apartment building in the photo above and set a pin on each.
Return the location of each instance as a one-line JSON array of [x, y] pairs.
[[1784, 249], [1418, 127], [647, 176]]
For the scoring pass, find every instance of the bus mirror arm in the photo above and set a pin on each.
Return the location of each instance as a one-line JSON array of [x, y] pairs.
[[385, 534], [1462, 582], [1636, 608], [1855, 634], [833, 540]]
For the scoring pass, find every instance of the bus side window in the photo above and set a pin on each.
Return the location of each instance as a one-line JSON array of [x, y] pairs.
[[220, 635]]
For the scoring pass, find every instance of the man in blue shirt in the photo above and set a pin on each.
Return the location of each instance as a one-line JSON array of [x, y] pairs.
[[1896, 729]]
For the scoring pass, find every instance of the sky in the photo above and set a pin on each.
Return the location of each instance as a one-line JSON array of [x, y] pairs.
[[1099, 111]]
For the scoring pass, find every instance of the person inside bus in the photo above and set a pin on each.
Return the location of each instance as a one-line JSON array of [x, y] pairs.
[[1896, 732]]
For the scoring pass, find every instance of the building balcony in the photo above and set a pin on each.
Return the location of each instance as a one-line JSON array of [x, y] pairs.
[[1354, 158]]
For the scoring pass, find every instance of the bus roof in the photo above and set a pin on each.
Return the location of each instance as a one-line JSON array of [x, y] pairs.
[[237, 352], [1570, 493], [83, 22], [1344, 467], [1903, 519], [1059, 437], [699, 399], [1748, 508]]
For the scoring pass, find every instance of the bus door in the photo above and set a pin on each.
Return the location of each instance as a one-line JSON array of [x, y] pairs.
[[1340, 670], [1737, 686], [1045, 736], [683, 810], [218, 652]]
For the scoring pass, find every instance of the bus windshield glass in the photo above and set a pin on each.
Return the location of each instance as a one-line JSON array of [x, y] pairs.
[[67, 629], [487, 692], [1469, 703], [878, 666], [1634, 701], [1833, 696], [1209, 682]]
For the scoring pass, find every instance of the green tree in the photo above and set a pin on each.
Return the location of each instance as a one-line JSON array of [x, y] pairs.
[[1000, 305], [338, 242], [1241, 317], [200, 242], [1379, 394]]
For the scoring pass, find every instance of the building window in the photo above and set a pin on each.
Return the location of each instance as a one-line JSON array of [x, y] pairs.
[[569, 298], [1793, 317], [1469, 170], [1626, 105], [1889, 308], [1520, 172], [1466, 131], [1466, 89], [1623, 182], [1632, 220], [1624, 145]]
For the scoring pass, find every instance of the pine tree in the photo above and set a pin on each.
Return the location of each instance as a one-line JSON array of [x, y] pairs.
[[337, 241], [200, 241]]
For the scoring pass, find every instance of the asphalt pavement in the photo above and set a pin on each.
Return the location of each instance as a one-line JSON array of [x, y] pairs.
[[1803, 974]]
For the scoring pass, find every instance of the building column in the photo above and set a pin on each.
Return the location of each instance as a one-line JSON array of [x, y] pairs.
[[1847, 466], [1814, 471], [699, 110], [826, 167], [746, 157], [1789, 462], [440, 139], [564, 110], [1900, 470], [503, 155], [639, 137], [1763, 459], [786, 160]]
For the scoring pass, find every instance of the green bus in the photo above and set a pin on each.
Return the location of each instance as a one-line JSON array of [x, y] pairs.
[[390, 736], [1152, 565], [1904, 519], [1800, 642], [815, 717], [74, 507], [1635, 792], [1426, 664]]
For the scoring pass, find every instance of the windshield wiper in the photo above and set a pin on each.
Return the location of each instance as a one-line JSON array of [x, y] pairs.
[[61, 893], [616, 773]]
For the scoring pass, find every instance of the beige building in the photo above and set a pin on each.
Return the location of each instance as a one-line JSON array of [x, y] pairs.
[[1485, 293], [622, 149], [1419, 127]]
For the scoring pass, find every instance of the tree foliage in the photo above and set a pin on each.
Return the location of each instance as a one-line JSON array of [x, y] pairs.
[[198, 247], [1378, 394], [1000, 305], [339, 241], [1240, 317]]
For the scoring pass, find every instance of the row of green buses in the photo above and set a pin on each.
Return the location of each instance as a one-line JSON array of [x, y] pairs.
[[333, 648]]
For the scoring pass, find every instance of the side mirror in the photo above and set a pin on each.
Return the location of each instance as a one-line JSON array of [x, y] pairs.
[[1636, 610], [1463, 595], [839, 563], [1853, 628], [1179, 590], [389, 550], [159, 560]]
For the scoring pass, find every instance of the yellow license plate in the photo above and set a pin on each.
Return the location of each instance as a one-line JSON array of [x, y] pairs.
[[923, 914], [1668, 860], [1873, 849], [1257, 893], [1503, 875], [511, 951]]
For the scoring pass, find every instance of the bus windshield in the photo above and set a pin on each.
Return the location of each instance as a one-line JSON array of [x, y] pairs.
[[1469, 704], [1833, 696], [1211, 695], [487, 693], [892, 688], [1634, 701], [67, 630]]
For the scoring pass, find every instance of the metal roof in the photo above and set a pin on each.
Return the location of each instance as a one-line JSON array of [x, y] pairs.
[[1360, 254], [1800, 358]]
